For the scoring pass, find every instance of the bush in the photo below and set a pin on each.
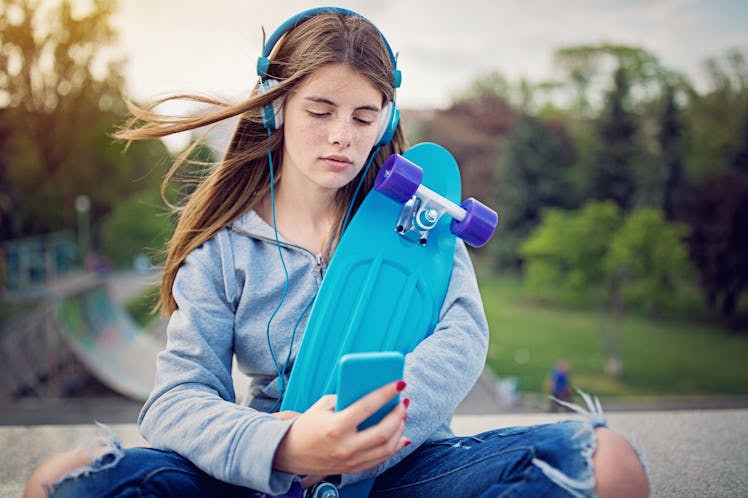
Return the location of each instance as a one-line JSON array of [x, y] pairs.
[[138, 225], [564, 256], [648, 257], [574, 256]]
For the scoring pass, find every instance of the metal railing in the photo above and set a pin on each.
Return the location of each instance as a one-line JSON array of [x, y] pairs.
[[29, 263]]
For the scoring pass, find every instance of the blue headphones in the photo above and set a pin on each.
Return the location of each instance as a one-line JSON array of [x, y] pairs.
[[272, 114]]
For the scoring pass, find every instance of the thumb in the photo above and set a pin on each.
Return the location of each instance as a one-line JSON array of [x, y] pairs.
[[326, 403]]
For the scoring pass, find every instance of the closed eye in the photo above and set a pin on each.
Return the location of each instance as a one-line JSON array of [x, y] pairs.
[[363, 121], [358, 119], [364, 115]]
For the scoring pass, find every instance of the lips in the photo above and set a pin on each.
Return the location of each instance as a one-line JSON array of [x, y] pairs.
[[337, 161]]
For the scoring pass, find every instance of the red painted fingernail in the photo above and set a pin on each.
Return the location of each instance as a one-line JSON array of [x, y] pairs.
[[407, 443], [401, 385], [406, 402]]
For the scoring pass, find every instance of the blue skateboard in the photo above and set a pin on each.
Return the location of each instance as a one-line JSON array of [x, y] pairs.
[[387, 280]]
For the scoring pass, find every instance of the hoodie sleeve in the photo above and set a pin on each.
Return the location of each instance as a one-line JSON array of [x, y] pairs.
[[444, 367], [192, 409]]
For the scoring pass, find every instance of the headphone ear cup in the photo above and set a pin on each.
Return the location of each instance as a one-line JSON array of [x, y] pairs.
[[388, 125], [272, 114]]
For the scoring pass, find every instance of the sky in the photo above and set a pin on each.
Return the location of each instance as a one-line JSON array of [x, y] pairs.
[[443, 45]]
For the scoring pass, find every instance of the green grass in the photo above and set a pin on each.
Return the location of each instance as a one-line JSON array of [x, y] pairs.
[[660, 357]]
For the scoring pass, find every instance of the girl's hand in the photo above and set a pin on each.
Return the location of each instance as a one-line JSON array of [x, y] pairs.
[[324, 442], [285, 415], [309, 480]]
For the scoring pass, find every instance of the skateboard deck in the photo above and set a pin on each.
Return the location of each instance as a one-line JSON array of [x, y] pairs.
[[383, 290]]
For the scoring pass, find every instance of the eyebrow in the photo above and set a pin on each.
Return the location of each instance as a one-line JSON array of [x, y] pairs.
[[322, 100]]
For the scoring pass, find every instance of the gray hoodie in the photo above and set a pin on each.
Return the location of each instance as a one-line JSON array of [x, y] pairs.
[[226, 291]]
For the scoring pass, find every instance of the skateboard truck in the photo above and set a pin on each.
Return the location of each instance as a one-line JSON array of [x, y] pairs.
[[400, 180], [416, 220]]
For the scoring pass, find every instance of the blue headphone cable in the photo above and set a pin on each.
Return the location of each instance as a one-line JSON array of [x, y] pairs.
[[281, 380], [282, 371]]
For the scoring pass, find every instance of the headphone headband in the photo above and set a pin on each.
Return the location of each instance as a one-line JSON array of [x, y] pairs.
[[263, 62]]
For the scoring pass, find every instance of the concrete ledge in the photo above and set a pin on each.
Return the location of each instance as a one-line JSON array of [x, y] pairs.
[[689, 453], [695, 453]]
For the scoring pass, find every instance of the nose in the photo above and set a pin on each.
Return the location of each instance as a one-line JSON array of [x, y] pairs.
[[340, 133]]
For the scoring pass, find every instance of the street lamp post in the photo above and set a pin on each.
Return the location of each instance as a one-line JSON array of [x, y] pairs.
[[83, 210]]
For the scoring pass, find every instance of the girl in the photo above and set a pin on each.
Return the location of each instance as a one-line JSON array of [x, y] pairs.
[[245, 262]]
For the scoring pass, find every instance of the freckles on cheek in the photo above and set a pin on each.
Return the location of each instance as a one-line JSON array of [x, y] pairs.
[[312, 133]]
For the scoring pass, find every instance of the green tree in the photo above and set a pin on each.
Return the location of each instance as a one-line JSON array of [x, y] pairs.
[[719, 242], [147, 223], [586, 69], [471, 129], [61, 97], [638, 145], [646, 262], [672, 155], [520, 95], [738, 158], [564, 257], [716, 117], [533, 174], [613, 170], [717, 204], [636, 260], [147, 218]]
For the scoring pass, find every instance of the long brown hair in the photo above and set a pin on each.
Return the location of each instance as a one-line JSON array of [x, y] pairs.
[[241, 179]]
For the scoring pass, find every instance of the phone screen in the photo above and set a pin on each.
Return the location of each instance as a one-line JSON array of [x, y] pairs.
[[361, 373]]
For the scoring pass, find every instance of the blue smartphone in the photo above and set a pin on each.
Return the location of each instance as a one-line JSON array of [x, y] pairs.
[[361, 373]]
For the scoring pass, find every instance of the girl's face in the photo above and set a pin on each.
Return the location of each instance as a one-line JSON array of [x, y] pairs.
[[330, 124]]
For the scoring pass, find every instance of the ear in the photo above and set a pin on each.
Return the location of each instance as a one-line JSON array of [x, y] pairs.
[[272, 114]]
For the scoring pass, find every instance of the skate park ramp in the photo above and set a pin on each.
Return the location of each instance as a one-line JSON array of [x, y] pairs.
[[108, 342]]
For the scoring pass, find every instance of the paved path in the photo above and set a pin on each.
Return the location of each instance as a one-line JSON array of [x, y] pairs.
[[125, 285]]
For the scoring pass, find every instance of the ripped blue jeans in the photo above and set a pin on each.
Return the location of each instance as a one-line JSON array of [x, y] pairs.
[[541, 460], [546, 460]]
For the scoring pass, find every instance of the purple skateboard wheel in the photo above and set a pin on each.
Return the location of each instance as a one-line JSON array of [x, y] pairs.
[[478, 225], [398, 179]]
